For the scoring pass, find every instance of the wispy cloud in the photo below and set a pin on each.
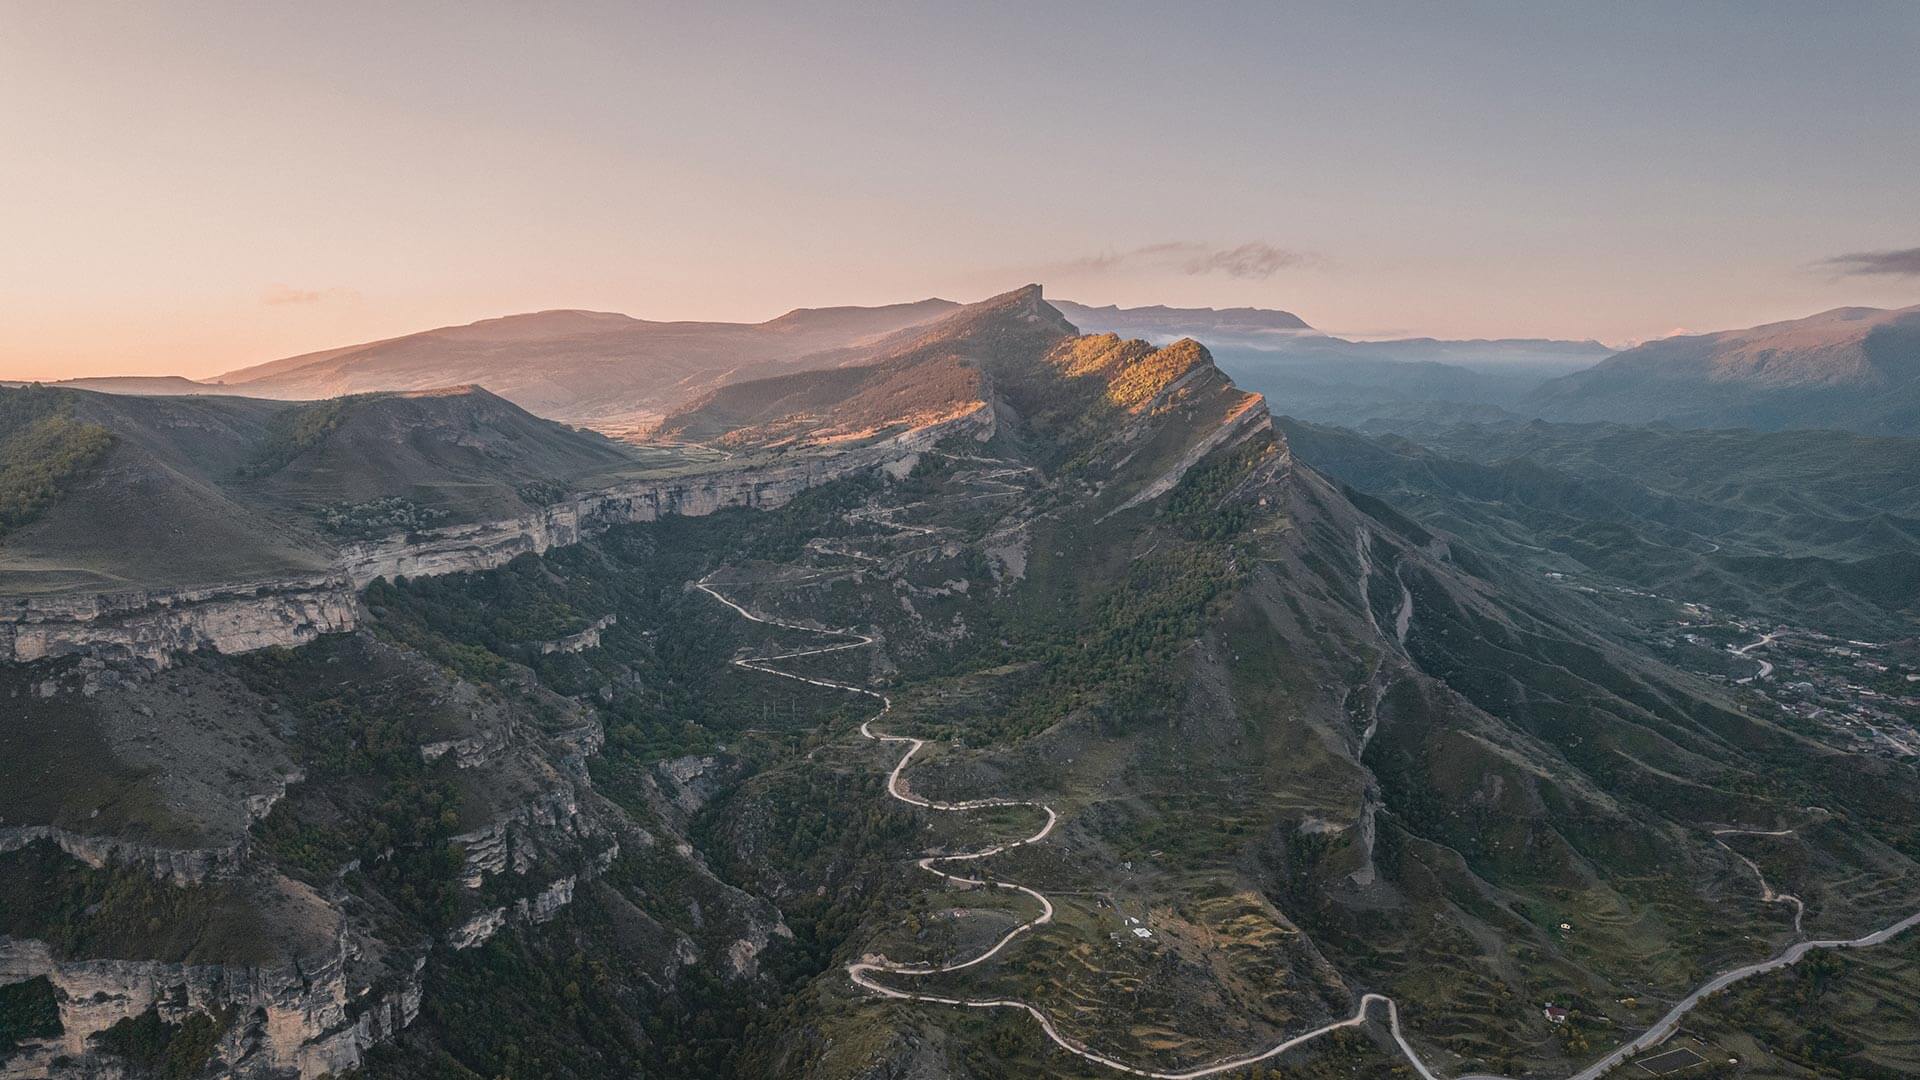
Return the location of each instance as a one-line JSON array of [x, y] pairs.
[[1904, 262], [1252, 261], [287, 294]]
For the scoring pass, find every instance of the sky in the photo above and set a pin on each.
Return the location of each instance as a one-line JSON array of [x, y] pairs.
[[193, 187]]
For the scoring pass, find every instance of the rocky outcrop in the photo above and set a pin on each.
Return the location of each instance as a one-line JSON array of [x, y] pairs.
[[293, 1018], [528, 910], [182, 866], [464, 548], [151, 626], [585, 639], [468, 753], [512, 843], [1247, 418]]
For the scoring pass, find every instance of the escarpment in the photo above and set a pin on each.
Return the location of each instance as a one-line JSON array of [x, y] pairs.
[[293, 900], [298, 1016], [153, 625], [239, 761]]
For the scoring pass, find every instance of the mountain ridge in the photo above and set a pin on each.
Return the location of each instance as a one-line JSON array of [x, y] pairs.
[[600, 368], [1850, 367], [1296, 751]]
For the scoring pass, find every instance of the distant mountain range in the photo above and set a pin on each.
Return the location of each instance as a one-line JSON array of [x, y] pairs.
[[1853, 368], [579, 366], [620, 374], [1286, 334], [1209, 324]]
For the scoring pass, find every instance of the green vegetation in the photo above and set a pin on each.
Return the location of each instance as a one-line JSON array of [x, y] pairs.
[[385, 806], [831, 827], [44, 450], [28, 1010], [668, 693], [379, 517], [1846, 1015], [294, 430], [543, 492], [1199, 503], [562, 1001], [1809, 527], [58, 738], [163, 1050], [556, 1000], [48, 895]]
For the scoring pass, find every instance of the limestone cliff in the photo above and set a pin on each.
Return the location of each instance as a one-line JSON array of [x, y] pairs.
[[151, 626], [297, 1017]]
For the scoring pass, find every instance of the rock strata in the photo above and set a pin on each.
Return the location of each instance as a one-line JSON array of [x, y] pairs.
[[153, 626]]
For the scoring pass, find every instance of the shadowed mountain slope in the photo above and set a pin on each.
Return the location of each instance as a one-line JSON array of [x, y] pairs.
[[1852, 368], [1811, 527], [212, 489]]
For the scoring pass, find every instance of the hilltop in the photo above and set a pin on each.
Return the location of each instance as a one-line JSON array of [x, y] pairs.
[[594, 367], [224, 489]]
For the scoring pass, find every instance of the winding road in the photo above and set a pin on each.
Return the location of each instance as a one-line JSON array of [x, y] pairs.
[[863, 972], [1766, 669], [1767, 895]]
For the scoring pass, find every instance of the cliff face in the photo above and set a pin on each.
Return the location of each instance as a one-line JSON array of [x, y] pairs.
[[181, 866], [482, 547], [304, 968], [539, 836], [293, 1018], [151, 626]]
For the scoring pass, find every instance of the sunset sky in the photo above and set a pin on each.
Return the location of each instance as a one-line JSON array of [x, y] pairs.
[[188, 188]]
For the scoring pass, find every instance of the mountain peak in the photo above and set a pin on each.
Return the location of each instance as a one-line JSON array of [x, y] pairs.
[[918, 376], [1026, 302]]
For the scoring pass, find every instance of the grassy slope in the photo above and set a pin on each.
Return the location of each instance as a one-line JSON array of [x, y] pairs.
[[130, 492], [43, 452]]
